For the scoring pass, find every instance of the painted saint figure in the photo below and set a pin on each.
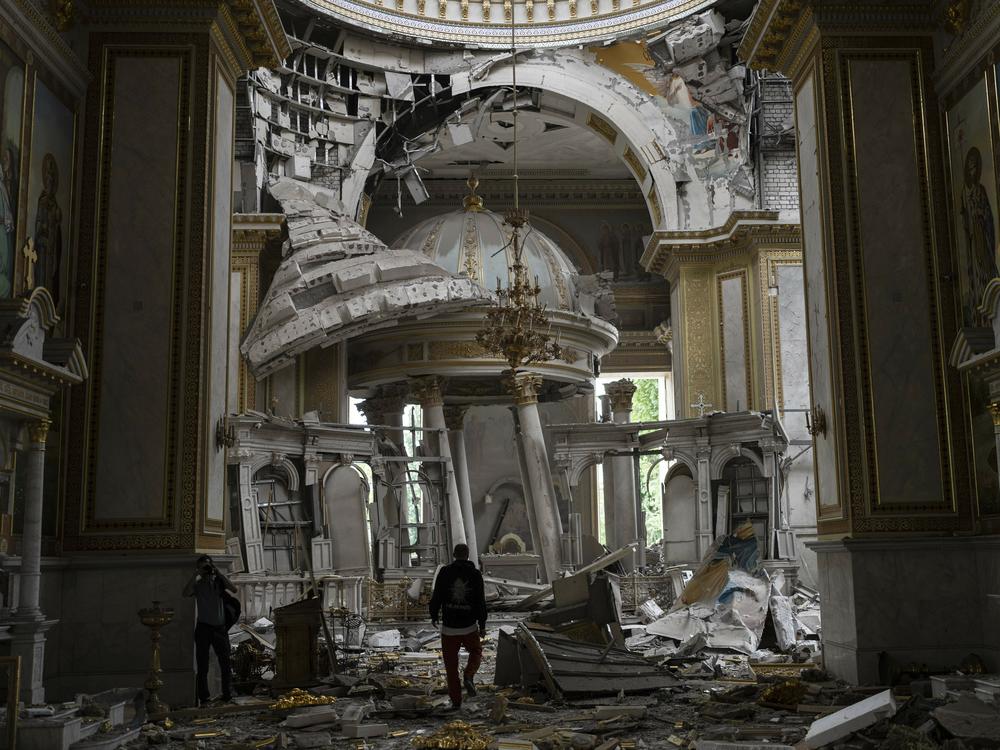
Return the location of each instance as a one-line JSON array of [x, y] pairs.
[[48, 229], [8, 220], [980, 236]]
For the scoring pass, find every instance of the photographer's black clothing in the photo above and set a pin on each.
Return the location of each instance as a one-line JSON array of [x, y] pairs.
[[459, 596], [208, 594], [216, 638], [211, 632]]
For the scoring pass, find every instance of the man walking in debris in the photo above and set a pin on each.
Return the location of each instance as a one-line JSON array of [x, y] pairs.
[[208, 587], [460, 600]]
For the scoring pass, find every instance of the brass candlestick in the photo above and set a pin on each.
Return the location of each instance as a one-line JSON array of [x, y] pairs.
[[154, 618]]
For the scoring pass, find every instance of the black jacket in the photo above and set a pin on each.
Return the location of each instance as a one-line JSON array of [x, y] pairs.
[[459, 596]]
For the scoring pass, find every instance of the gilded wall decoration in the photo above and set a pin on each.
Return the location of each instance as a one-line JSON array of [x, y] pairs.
[[603, 127], [699, 343], [455, 350], [12, 78]]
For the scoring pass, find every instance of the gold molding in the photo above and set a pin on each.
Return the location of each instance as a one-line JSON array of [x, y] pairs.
[[698, 346], [602, 127], [743, 276], [768, 263]]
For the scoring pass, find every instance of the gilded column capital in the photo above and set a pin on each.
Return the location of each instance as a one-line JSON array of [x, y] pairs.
[[39, 431], [373, 409], [620, 392], [454, 417], [394, 397], [428, 390], [525, 387]]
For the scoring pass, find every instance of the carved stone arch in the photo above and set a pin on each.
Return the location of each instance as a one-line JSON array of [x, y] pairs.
[[576, 464], [282, 463], [609, 105], [347, 522], [678, 469], [683, 457], [723, 456]]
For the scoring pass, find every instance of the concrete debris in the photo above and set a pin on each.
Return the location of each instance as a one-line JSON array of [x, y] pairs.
[[857, 716], [727, 602]]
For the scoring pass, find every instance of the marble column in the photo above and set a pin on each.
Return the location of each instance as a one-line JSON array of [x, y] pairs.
[[539, 475], [890, 431], [31, 536], [28, 630], [703, 519], [454, 417], [625, 499], [427, 389]]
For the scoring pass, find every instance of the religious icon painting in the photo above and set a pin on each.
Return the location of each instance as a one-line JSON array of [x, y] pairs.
[[50, 190], [11, 113], [974, 208], [974, 198]]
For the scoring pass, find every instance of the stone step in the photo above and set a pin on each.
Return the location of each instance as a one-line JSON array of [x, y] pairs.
[[49, 733], [109, 741]]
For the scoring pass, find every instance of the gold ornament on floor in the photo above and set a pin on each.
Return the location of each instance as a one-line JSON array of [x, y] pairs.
[[154, 618], [455, 735], [296, 698]]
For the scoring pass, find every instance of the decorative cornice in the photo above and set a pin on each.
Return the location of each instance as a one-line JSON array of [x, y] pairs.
[[254, 29], [46, 43], [742, 232], [498, 194], [251, 232], [565, 22], [779, 29]]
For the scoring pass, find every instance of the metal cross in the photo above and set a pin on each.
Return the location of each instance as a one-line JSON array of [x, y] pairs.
[[30, 258], [701, 405]]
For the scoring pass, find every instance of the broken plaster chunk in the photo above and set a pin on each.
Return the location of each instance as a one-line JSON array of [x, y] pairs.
[[857, 716], [365, 730]]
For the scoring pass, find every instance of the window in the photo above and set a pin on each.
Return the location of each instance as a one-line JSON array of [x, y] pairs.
[[749, 498]]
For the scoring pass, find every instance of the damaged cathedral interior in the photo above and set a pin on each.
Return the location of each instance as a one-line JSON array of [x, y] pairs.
[[641, 356]]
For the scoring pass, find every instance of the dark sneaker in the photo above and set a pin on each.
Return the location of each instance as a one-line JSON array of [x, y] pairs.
[[470, 687]]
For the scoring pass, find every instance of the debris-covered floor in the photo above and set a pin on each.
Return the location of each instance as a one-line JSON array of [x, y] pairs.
[[733, 661], [397, 698]]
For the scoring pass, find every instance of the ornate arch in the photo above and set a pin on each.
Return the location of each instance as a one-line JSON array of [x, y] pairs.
[[722, 456], [608, 104], [277, 461]]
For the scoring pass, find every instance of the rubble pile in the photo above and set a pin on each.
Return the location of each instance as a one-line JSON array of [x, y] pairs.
[[733, 664]]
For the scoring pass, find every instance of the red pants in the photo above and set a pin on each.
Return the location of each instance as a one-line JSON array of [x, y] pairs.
[[450, 645]]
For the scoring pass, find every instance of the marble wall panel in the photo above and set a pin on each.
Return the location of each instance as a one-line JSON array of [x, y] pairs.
[[235, 284], [219, 285], [733, 312], [792, 334], [138, 280], [679, 519], [903, 398], [817, 319]]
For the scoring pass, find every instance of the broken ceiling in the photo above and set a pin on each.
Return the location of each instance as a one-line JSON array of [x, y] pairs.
[[338, 280]]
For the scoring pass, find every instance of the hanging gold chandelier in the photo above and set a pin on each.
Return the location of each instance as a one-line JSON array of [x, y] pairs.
[[517, 329]]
